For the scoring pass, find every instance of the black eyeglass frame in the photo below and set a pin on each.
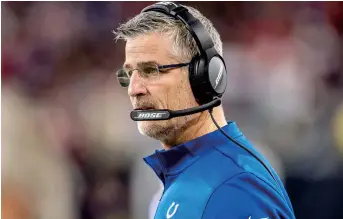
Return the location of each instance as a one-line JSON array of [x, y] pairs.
[[179, 65], [159, 67]]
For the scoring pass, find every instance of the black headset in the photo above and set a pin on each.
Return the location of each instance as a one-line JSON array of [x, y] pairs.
[[207, 71]]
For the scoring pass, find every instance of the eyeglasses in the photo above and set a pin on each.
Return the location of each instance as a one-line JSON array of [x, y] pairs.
[[146, 70]]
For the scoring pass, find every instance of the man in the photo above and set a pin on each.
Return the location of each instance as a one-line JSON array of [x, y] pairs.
[[206, 172]]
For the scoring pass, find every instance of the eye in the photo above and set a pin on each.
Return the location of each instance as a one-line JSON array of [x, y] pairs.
[[150, 69]]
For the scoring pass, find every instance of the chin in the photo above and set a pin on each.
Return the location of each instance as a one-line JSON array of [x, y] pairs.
[[158, 130]]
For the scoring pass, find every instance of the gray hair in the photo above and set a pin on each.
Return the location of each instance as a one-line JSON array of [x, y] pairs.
[[184, 47]]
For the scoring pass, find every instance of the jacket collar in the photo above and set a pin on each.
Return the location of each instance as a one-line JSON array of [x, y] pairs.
[[177, 159]]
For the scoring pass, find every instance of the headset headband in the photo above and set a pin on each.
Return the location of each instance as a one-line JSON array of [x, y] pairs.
[[194, 26]]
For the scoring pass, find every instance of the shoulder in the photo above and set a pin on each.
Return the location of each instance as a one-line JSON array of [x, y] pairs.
[[246, 159], [246, 195]]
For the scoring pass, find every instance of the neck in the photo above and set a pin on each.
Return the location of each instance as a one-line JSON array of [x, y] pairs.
[[201, 126]]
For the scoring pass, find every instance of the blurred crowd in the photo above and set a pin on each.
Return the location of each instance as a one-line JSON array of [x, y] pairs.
[[70, 150]]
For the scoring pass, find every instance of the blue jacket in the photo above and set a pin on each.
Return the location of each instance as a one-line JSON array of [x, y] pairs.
[[211, 177]]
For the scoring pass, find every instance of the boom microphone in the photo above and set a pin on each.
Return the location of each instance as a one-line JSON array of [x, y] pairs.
[[165, 114]]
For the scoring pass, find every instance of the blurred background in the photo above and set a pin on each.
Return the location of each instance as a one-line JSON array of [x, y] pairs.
[[70, 150]]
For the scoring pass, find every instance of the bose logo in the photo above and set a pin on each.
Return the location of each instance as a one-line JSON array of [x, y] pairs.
[[149, 115], [219, 75]]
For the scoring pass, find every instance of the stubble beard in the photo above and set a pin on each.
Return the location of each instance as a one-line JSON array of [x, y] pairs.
[[167, 131]]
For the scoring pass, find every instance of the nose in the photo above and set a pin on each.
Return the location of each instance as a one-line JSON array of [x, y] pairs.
[[136, 86]]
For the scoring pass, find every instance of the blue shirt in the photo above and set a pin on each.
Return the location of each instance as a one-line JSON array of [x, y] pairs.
[[211, 177]]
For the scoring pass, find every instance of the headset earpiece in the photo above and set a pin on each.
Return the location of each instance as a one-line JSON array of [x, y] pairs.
[[197, 74], [207, 72]]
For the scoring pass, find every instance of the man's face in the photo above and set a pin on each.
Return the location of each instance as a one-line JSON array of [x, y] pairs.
[[169, 90]]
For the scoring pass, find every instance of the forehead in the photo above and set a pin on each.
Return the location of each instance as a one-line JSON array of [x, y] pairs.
[[148, 47]]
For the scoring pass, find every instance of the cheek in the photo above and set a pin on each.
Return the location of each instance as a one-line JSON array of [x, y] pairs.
[[181, 96], [174, 92]]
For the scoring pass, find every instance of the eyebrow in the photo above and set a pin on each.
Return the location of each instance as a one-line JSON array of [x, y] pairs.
[[129, 66]]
